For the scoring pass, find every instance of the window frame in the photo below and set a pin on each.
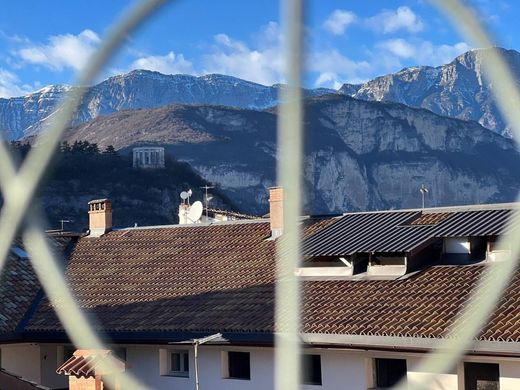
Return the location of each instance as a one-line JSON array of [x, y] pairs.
[[313, 358], [184, 358], [227, 364], [479, 367], [376, 371]]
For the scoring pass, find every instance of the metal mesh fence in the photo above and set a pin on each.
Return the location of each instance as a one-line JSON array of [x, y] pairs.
[[20, 214]]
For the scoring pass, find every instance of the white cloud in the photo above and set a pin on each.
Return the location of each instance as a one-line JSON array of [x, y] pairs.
[[388, 21], [263, 61], [423, 52], [338, 21], [10, 85], [170, 63], [334, 69], [399, 47], [62, 51], [261, 64]]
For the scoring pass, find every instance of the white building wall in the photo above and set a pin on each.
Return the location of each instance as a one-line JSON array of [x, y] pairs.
[[144, 363], [49, 363], [440, 381], [22, 360], [509, 375], [346, 370], [340, 370]]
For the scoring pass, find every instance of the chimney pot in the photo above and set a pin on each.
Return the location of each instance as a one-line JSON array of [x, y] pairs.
[[276, 211], [100, 217]]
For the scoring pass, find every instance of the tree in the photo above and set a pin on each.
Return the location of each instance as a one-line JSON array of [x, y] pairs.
[[65, 147], [110, 150]]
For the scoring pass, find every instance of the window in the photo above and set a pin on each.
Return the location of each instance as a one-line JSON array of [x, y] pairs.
[[389, 372], [179, 363], [311, 369], [236, 365], [481, 376]]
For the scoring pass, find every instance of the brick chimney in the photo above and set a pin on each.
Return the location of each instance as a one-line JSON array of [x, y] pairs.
[[276, 211], [100, 217]]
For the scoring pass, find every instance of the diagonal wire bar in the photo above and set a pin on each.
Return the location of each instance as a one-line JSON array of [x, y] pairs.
[[74, 320], [19, 190], [290, 135], [497, 276]]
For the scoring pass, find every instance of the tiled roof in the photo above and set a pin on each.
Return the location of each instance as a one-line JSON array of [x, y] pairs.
[[19, 285], [220, 278], [423, 305], [88, 363], [9, 380], [18, 288], [182, 278]]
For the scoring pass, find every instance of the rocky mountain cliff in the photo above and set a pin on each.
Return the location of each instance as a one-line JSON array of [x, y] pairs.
[[360, 155], [458, 89], [24, 116]]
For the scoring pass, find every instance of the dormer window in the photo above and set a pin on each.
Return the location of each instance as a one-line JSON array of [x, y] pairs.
[[464, 250], [386, 265], [496, 252], [333, 267], [325, 267]]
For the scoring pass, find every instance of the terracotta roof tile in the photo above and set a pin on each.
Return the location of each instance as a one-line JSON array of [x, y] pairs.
[[19, 285], [220, 278], [88, 363], [18, 288]]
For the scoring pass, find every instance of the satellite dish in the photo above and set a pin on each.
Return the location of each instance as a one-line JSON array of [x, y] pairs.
[[184, 195], [195, 211]]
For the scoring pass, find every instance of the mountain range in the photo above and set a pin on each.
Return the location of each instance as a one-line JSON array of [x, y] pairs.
[[368, 146], [360, 155], [25, 116], [457, 90]]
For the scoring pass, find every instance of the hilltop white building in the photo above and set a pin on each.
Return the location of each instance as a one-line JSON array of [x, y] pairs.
[[148, 157]]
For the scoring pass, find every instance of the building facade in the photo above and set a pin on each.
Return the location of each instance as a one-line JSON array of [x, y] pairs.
[[379, 291], [148, 157]]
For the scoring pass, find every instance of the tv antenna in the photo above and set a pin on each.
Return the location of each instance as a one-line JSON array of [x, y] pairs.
[[423, 191], [195, 212], [63, 222], [207, 198]]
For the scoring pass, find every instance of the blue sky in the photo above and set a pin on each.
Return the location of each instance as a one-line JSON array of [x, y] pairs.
[[47, 42]]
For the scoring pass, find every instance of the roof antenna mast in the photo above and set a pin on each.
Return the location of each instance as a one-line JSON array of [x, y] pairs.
[[207, 198], [63, 222], [423, 191]]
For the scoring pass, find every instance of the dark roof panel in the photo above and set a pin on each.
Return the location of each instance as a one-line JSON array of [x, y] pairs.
[[403, 231]]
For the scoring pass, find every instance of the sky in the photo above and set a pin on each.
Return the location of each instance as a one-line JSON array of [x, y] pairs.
[[48, 42]]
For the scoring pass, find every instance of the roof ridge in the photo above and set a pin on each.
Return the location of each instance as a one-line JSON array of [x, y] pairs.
[[472, 207], [205, 224]]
